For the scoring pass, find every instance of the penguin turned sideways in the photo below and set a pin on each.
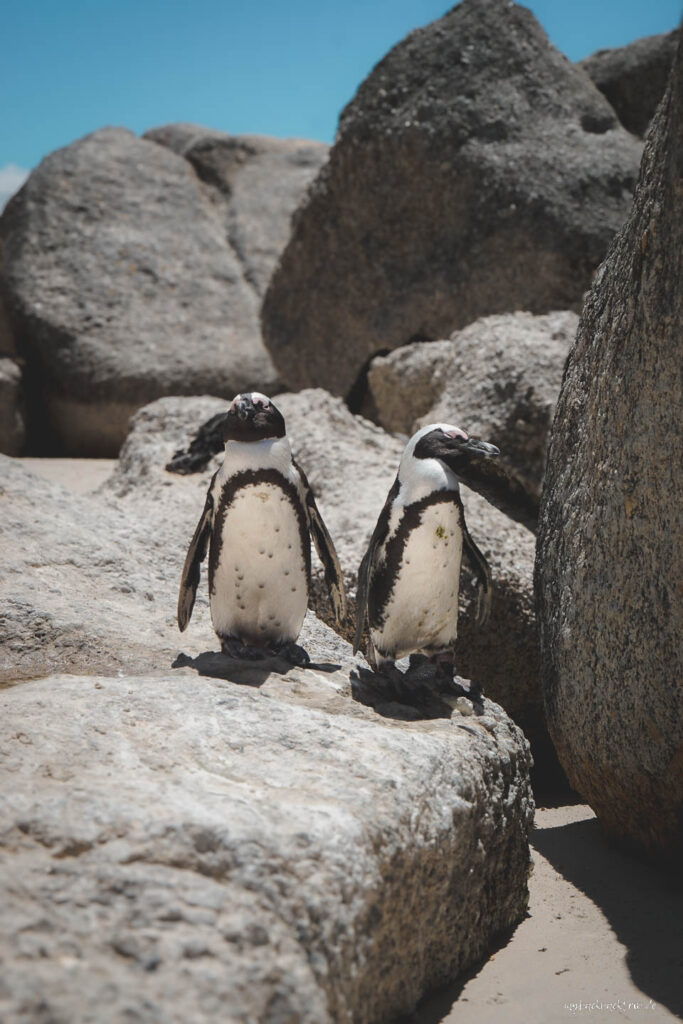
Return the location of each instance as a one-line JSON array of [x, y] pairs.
[[257, 523], [409, 579]]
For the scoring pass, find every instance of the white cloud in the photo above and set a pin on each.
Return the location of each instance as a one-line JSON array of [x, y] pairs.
[[12, 178]]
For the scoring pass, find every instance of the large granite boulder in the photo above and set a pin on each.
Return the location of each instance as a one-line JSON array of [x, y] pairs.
[[499, 377], [634, 77], [121, 285], [351, 464], [206, 839], [476, 171], [261, 182], [609, 564]]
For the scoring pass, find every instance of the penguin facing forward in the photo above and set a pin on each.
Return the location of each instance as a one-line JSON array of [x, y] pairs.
[[257, 523], [409, 579]]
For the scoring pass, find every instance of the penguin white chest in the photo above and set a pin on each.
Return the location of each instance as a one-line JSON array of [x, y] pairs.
[[259, 584], [422, 610]]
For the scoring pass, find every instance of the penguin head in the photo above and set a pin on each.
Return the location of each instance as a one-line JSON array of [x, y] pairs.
[[252, 417], [450, 445]]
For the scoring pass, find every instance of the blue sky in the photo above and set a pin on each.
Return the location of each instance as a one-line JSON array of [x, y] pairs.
[[274, 67]]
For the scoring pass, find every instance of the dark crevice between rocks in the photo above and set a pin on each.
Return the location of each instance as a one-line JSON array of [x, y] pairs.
[[598, 124], [41, 440], [220, 192], [359, 401]]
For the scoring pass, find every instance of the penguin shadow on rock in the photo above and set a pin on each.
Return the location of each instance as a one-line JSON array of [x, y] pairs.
[[248, 671], [258, 520], [409, 580]]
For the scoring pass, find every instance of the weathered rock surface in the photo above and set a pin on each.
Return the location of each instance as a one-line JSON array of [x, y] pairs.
[[634, 77], [12, 419], [121, 285], [351, 464], [183, 848], [260, 180], [476, 171], [609, 566], [210, 839], [499, 378]]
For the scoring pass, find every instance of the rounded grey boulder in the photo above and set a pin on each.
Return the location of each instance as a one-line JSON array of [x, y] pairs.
[[121, 286], [633, 78], [476, 171]]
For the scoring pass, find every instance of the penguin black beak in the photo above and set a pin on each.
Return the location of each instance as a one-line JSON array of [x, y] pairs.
[[458, 453], [478, 449]]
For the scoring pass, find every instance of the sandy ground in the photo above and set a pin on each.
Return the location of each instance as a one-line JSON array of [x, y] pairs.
[[78, 475], [603, 938]]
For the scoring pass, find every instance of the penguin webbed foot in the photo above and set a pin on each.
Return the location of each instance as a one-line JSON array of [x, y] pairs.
[[450, 684], [233, 648], [398, 689], [294, 653]]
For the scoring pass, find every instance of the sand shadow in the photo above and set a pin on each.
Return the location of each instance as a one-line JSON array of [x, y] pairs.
[[411, 695], [439, 1004], [643, 905], [242, 671]]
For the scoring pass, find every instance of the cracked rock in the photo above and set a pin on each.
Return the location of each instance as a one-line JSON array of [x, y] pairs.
[[260, 182]]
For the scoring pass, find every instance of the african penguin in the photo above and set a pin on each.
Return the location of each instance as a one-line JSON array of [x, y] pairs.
[[257, 522], [409, 579]]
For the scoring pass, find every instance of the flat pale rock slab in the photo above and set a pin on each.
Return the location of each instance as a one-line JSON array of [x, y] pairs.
[[183, 848]]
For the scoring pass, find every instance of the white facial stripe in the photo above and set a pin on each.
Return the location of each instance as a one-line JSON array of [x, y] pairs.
[[259, 399], [256, 397], [420, 477]]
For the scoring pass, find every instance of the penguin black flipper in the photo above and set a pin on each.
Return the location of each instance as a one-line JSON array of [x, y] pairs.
[[482, 570], [367, 565], [334, 581], [196, 554]]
